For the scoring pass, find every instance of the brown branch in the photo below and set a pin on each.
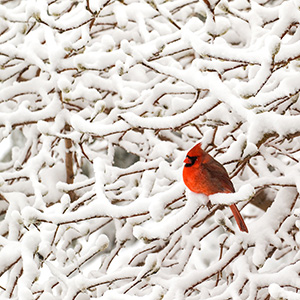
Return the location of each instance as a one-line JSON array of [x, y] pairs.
[[262, 200], [14, 125], [69, 164], [9, 266], [222, 244], [15, 282], [216, 270]]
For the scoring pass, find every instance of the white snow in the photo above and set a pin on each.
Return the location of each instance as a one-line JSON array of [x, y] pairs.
[[81, 79]]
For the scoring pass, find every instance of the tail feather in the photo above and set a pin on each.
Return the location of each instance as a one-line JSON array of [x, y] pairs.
[[238, 217]]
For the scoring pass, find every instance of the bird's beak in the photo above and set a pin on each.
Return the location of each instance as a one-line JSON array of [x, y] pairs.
[[187, 161]]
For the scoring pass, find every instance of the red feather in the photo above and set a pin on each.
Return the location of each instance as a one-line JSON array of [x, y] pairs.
[[204, 175]]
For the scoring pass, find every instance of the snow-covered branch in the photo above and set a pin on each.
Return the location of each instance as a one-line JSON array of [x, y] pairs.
[[99, 102]]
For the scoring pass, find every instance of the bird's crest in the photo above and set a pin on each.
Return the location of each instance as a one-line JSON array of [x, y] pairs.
[[196, 150]]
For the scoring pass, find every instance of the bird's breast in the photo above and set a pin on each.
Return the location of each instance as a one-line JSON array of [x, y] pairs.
[[196, 181]]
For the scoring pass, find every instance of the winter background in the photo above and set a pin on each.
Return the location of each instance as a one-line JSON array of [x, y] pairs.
[[100, 101]]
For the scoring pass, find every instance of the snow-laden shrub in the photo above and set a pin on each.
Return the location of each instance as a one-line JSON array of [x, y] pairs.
[[99, 102]]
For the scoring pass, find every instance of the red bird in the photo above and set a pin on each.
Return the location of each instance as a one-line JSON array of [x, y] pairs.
[[202, 174]]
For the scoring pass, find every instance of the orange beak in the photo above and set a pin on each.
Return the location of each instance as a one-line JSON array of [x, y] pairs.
[[187, 160]]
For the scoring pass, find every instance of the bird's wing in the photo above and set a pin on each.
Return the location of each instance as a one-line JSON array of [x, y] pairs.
[[218, 176]]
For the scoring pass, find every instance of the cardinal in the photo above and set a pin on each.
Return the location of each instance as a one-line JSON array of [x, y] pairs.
[[202, 174]]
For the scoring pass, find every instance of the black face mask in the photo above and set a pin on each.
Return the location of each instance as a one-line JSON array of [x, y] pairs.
[[192, 160]]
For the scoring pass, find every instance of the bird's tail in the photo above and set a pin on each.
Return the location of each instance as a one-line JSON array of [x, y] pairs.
[[238, 217]]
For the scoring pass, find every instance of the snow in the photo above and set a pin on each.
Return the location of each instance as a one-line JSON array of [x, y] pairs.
[[80, 80], [243, 194]]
